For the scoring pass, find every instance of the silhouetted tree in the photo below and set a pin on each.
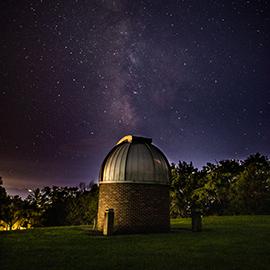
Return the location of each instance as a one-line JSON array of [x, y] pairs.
[[3, 199], [82, 209], [64, 205], [37, 203], [251, 191], [12, 211]]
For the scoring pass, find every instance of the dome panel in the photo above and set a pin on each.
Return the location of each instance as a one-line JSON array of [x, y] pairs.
[[115, 164], [139, 164], [160, 164]]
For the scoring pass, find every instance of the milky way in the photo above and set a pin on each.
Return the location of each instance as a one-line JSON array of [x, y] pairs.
[[76, 76]]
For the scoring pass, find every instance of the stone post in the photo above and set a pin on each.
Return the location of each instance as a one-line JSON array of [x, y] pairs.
[[196, 220], [108, 222]]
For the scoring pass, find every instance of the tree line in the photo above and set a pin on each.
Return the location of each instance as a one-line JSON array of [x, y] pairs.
[[49, 206], [227, 187]]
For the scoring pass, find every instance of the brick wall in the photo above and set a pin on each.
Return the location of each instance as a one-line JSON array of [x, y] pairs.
[[137, 207]]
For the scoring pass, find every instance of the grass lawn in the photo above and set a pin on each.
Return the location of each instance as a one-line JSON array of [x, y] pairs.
[[240, 242]]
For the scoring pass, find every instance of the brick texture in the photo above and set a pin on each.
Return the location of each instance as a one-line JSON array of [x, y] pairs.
[[137, 207]]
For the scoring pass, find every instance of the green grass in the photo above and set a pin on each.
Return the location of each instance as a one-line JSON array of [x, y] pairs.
[[240, 242]]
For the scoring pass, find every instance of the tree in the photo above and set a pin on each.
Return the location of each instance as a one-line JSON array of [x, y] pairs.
[[3, 194], [12, 211], [251, 191], [83, 208], [183, 181], [57, 205], [37, 203], [3, 200], [214, 195]]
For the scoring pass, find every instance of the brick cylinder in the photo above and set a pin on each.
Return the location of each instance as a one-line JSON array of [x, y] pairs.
[[137, 207]]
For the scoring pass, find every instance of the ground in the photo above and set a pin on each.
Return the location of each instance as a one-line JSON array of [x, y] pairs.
[[239, 242]]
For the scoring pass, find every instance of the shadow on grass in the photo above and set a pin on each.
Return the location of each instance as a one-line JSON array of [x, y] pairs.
[[94, 233], [177, 230], [99, 234]]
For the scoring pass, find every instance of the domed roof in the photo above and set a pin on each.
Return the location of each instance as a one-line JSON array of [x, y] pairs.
[[135, 160]]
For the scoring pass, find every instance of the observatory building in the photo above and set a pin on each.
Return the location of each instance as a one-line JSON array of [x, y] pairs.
[[134, 182]]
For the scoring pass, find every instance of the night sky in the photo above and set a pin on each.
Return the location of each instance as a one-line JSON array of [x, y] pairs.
[[76, 76]]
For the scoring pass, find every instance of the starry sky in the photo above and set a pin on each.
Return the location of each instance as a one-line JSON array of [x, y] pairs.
[[76, 76]]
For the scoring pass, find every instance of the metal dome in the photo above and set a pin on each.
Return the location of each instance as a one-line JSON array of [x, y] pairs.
[[135, 160]]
